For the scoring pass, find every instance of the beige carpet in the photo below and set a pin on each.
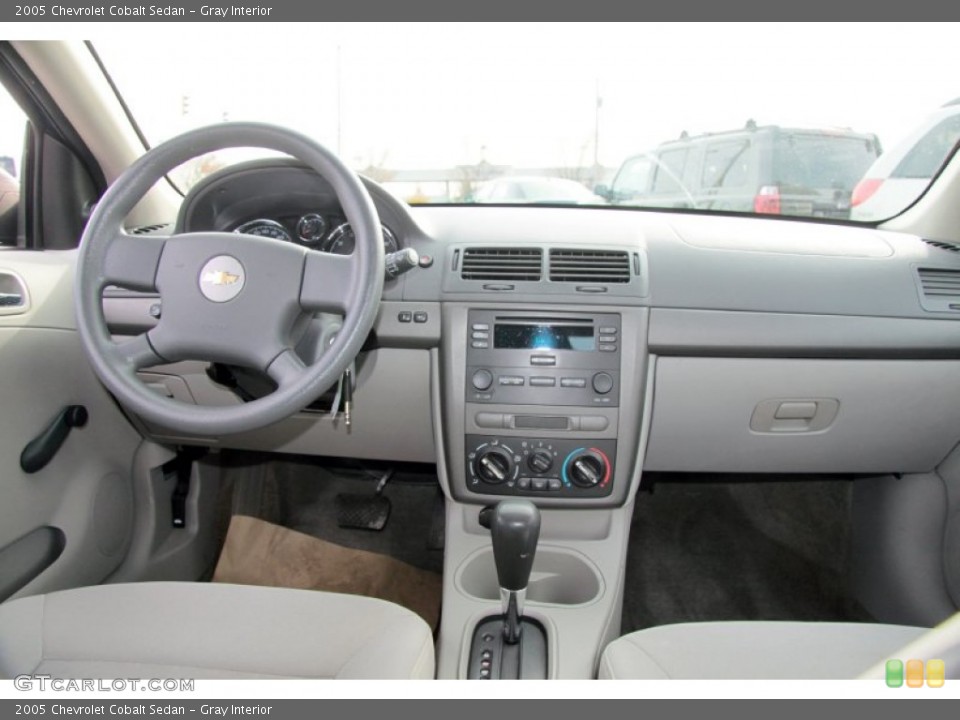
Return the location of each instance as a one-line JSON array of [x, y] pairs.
[[261, 553]]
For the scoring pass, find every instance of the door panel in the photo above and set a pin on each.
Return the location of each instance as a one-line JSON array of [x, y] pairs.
[[82, 501]]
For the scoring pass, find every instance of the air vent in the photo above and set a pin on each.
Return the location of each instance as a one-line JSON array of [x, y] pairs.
[[589, 266], [942, 283], [502, 264], [149, 229], [950, 247]]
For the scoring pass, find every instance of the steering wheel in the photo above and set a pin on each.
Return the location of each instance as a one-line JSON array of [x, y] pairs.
[[226, 297]]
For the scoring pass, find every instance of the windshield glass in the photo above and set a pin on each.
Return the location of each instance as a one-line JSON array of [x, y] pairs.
[[784, 122]]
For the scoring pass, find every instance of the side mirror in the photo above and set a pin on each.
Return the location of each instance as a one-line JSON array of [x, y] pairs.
[[603, 191]]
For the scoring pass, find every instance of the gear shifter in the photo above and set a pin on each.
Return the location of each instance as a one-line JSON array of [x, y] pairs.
[[515, 529]]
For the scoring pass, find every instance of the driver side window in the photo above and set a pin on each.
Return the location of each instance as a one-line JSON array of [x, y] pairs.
[[13, 124]]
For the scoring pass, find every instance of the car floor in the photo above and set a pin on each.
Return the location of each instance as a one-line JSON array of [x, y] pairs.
[[702, 547], [715, 547]]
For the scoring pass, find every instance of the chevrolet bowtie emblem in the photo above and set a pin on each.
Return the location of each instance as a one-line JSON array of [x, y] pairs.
[[220, 277]]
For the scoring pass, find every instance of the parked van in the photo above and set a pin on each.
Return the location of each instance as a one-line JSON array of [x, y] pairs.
[[766, 170]]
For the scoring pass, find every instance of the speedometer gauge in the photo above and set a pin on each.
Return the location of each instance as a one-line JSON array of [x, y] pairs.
[[265, 228], [342, 240]]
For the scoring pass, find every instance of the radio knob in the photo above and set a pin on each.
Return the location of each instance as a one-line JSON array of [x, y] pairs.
[[482, 380], [587, 469], [540, 461], [493, 465], [602, 383]]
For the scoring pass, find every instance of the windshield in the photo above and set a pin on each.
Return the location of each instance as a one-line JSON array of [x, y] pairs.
[[595, 114]]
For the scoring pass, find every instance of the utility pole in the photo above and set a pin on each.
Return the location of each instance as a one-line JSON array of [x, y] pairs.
[[596, 133], [339, 102]]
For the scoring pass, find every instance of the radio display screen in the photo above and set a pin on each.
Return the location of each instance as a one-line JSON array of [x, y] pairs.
[[543, 337]]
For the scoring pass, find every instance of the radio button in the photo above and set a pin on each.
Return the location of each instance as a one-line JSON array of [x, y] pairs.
[[608, 330], [480, 326], [568, 382], [608, 348], [543, 360], [480, 344], [482, 379], [602, 383], [510, 380], [540, 381], [608, 338], [478, 335]]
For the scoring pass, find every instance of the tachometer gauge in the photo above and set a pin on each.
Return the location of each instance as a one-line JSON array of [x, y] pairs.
[[342, 240], [311, 228], [265, 228]]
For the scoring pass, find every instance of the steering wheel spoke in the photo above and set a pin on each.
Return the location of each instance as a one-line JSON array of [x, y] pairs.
[[286, 369], [137, 353], [328, 282], [132, 261]]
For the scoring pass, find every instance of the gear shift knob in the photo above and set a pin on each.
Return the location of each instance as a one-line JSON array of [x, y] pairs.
[[515, 529]]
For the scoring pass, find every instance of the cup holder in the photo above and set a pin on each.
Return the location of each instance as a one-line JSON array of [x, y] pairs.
[[558, 578]]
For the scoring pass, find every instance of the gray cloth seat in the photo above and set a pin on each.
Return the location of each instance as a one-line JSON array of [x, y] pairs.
[[201, 630], [755, 650]]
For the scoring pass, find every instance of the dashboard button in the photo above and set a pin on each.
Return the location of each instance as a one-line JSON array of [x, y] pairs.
[[608, 330], [523, 483], [480, 326], [510, 380], [482, 379], [480, 344], [569, 382], [538, 483], [602, 383], [478, 335], [554, 484], [540, 381], [543, 360], [420, 316], [405, 316], [608, 348]]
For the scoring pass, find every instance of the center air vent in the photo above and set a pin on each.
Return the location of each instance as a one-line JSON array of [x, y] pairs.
[[502, 264], [589, 266]]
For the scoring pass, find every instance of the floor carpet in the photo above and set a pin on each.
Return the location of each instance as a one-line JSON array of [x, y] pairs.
[[257, 552]]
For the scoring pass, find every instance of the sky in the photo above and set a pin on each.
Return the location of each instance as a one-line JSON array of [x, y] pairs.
[[439, 94]]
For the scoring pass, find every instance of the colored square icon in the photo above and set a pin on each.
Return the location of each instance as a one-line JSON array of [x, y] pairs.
[[936, 672], [894, 673], [914, 673]]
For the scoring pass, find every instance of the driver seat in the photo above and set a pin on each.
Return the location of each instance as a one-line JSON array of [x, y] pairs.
[[211, 630]]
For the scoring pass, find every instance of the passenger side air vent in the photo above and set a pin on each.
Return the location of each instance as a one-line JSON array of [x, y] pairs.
[[950, 247], [939, 289], [508, 264], [589, 266]]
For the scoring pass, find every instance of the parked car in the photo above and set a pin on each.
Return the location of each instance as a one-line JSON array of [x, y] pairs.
[[768, 170], [536, 189], [898, 177]]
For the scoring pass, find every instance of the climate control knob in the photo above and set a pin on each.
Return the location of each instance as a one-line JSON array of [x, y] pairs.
[[540, 461], [493, 465], [587, 468], [482, 380]]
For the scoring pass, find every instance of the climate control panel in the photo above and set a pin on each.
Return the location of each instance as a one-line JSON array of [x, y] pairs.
[[540, 467]]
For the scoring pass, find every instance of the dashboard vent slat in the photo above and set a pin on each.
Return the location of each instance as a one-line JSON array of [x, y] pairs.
[[942, 245], [590, 266], [502, 264], [939, 282]]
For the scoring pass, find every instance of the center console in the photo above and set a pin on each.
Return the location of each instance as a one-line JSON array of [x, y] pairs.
[[541, 402]]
